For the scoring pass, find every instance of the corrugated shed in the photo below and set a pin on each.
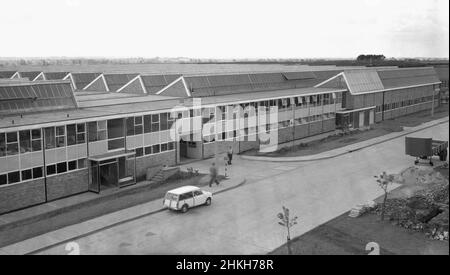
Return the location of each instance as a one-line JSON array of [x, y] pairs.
[[83, 79], [408, 77], [7, 74], [116, 81]]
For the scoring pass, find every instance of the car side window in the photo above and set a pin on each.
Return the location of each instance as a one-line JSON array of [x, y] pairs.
[[198, 193], [186, 196]]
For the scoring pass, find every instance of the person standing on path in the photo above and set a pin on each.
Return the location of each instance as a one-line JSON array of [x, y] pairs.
[[213, 175], [230, 154]]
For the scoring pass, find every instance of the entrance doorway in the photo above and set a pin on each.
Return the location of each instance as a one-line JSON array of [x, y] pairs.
[[109, 173]]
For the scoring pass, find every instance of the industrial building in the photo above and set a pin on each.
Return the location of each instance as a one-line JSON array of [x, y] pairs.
[[64, 133]]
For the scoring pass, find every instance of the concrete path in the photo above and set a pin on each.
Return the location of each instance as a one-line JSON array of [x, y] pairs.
[[350, 148], [242, 220]]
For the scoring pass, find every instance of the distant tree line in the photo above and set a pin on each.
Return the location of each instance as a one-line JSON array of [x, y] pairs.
[[371, 57]]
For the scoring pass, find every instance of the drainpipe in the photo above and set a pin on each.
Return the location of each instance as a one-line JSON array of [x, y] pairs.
[[45, 166]]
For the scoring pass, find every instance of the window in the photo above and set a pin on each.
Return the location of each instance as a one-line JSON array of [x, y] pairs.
[[156, 149], [36, 140], [198, 193], [186, 196], [115, 128], [37, 172], [130, 126], [134, 126], [49, 135], [114, 144], [163, 119], [3, 179], [13, 177], [71, 134], [25, 141], [72, 165], [27, 175], [2, 144], [12, 145], [148, 150], [326, 99], [51, 169], [76, 134], [147, 123], [81, 163], [97, 130], [171, 146], [155, 123], [163, 147], [61, 167], [81, 133], [139, 152], [60, 136]]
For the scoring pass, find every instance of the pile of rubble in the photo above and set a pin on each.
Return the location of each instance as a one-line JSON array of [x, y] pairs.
[[425, 210], [361, 209]]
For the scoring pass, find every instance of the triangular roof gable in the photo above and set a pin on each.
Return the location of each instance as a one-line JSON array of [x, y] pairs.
[[135, 86], [177, 88], [98, 85], [72, 81], [355, 81], [337, 81], [40, 76]]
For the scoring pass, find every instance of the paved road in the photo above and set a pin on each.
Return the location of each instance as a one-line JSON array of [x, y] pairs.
[[243, 220]]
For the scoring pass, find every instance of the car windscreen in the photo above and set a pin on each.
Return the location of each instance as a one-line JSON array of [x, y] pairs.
[[171, 197]]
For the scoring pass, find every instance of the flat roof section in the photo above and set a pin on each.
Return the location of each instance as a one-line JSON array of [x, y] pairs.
[[111, 155], [108, 111]]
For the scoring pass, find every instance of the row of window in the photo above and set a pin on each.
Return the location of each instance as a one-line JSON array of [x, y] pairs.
[[65, 166], [17, 176], [66, 135], [38, 172], [24, 141], [409, 102], [281, 124], [155, 149]]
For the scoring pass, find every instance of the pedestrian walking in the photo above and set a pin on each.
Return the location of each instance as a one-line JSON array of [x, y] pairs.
[[213, 175], [230, 154]]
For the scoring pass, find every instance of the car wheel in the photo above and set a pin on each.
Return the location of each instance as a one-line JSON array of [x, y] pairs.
[[208, 201], [184, 209]]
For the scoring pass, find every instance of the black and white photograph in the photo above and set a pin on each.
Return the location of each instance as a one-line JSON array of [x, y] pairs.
[[238, 132]]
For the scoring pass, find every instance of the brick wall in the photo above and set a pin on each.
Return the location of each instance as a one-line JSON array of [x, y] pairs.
[[64, 185], [154, 162], [21, 195], [315, 128], [329, 125], [285, 134], [301, 131]]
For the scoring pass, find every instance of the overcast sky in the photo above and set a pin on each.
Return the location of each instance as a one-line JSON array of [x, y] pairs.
[[224, 29]]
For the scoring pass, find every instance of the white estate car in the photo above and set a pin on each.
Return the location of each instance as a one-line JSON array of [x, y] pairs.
[[186, 197]]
